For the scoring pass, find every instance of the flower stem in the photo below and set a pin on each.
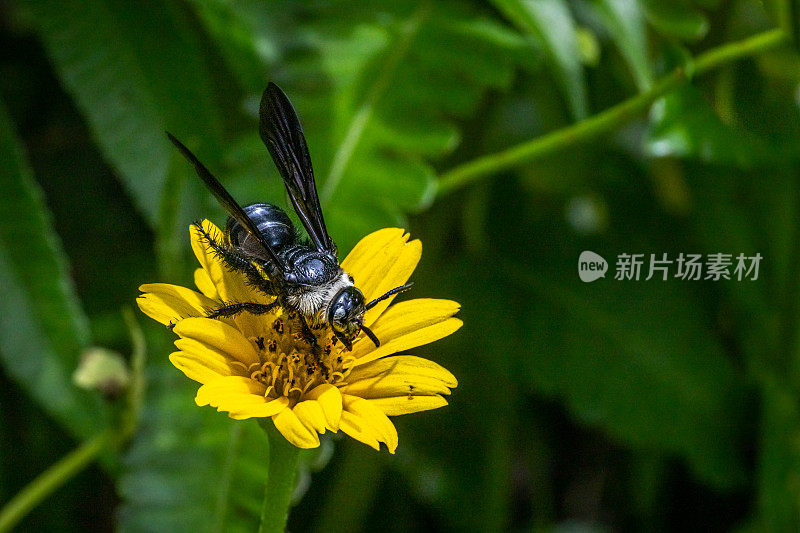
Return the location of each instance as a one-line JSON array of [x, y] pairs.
[[53, 478], [283, 457], [609, 119]]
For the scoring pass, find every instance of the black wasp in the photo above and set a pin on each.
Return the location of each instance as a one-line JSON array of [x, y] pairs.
[[262, 244]]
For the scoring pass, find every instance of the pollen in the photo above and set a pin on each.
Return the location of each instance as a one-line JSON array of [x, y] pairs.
[[287, 366]]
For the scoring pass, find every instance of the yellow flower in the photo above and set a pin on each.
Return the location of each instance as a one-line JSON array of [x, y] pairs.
[[256, 366]]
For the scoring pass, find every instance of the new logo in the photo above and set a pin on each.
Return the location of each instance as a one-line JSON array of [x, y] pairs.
[[591, 266]]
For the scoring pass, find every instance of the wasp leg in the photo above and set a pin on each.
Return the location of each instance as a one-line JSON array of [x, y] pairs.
[[234, 309], [238, 262], [309, 337]]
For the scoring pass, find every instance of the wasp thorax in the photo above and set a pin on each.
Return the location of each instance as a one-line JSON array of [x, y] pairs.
[[314, 268]]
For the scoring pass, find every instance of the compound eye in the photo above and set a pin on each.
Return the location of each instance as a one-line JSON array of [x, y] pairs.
[[339, 313]]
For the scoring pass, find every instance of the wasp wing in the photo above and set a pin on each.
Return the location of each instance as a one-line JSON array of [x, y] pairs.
[[227, 201], [281, 132]]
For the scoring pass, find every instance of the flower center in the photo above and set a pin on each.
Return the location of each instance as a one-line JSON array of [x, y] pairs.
[[289, 366]]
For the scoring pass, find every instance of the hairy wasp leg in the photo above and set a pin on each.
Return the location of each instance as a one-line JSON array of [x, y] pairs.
[[237, 262], [234, 309], [309, 337]]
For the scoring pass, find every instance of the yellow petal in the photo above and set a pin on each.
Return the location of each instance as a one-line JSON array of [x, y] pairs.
[[275, 406], [215, 391], [366, 423], [407, 325], [294, 430], [215, 359], [203, 282], [361, 258], [220, 337], [330, 399], [205, 254], [200, 368], [169, 304], [403, 405], [380, 262], [398, 376], [202, 251], [241, 397], [357, 428], [311, 415], [263, 409]]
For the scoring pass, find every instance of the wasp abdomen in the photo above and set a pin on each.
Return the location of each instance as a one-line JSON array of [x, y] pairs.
[[273, 223]]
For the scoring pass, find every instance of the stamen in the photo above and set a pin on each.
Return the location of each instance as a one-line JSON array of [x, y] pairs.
[[287, 368]]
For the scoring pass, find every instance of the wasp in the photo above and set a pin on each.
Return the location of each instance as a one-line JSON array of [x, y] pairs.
[[261, 243]]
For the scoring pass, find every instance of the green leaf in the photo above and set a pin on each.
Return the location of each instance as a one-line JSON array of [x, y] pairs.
[[653, 376], [625, 23], [779, 461], [740, 212], [683, 125], [551, 23], [44, 330], [379, 153], [235, 33], [676, 19], [371, 122], [132, 90]]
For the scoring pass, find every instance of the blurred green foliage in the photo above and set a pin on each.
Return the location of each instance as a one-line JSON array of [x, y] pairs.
[[613, 405]]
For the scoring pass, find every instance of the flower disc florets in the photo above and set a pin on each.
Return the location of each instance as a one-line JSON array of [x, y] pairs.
[[288, 366]]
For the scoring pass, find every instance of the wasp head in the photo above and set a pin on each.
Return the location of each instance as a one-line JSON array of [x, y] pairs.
[[346, 313]]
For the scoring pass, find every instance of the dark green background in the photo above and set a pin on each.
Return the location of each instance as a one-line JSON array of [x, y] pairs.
[[615, 405]]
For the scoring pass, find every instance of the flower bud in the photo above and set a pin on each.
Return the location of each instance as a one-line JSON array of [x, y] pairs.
[[102, 370]]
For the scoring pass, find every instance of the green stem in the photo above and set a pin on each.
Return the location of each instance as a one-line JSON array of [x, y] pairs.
[[730, 52], [53, 478], [283, 458], [129, 418], [608, 119], [789, 334]]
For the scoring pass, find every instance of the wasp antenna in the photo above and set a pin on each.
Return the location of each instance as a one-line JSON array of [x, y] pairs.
[[392, 292], [372, 337]]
